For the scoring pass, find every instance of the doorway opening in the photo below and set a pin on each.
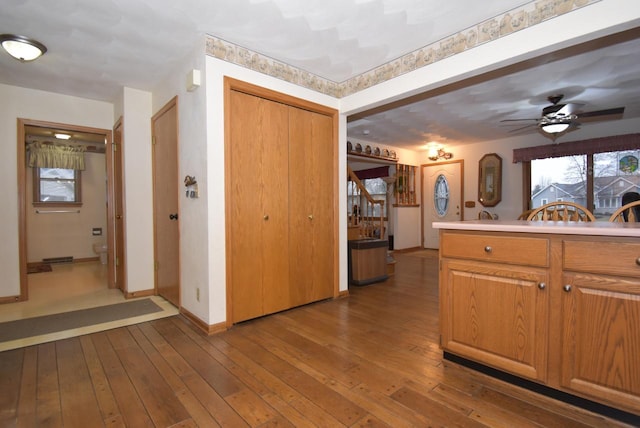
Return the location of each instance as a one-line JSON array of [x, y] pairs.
[[64, 210]]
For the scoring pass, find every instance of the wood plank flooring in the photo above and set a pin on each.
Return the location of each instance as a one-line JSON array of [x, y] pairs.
[[371, 359]]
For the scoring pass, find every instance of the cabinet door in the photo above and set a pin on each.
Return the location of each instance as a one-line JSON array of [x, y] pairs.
[[496, 314], [258, 216], [311, 206], [601, 338]]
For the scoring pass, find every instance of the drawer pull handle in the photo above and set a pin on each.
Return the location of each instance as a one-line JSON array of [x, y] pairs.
[[265, 217], [567, 288], [542, 285], [488, 249], [638, 261]]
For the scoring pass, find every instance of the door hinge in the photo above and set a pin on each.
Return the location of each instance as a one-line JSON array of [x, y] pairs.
[[115, 147], [156, 265], [117, 261], [153, 140]]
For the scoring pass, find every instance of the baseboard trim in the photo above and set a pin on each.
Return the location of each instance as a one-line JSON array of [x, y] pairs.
[[11, 299], [408, 250], [201, 325], [342, 294], [565, 397], [139, 293]]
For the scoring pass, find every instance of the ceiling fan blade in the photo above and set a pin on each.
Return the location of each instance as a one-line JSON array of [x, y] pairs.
[[568, 109], [608, 114], [522, 127]]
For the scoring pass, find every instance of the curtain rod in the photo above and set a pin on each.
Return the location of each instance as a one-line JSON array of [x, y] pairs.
[[57, 211]]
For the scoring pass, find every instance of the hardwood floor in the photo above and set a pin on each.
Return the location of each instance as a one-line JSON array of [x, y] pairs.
[[371, 359]]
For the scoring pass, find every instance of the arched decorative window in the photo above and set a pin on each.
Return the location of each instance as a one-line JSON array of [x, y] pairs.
[[441, 195]]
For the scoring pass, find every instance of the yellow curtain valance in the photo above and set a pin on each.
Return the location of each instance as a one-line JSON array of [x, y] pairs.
[[48, 155]]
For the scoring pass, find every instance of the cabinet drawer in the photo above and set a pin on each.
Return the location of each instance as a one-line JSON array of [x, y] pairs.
[[495, 248], [610, 258]]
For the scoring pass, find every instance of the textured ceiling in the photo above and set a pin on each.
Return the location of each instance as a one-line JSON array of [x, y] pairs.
[[98, 46], [599, 79]]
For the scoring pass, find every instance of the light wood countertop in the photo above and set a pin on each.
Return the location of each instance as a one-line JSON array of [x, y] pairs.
[[600, 228]]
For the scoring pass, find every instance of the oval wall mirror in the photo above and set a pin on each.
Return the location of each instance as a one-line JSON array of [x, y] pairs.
[[490, 180]]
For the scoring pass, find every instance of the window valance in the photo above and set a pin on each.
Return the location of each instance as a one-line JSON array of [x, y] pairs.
[[379, 172], [614, 143], [49, 155]]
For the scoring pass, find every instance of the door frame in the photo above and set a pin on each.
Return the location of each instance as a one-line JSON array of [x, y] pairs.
[[23, 202], [119, 230], [422, 190]]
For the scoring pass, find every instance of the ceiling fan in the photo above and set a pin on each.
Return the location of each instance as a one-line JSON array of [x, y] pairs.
[[559, 118]]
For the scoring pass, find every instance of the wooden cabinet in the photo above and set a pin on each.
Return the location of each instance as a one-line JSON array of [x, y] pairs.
[[561, 310], [495, 311], [601, 314], [280, 204]]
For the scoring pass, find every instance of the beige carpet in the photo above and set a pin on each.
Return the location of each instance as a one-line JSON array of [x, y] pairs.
[[47, 328]]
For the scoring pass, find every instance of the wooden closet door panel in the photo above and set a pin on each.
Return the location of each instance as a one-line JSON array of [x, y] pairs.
[[322, 187], [300, 206], [311, 206], [275, 190], [258, 163]]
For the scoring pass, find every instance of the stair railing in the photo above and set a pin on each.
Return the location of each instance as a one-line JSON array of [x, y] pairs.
[[361, 209]]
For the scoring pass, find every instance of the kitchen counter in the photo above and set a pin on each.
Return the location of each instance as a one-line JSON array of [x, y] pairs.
[[551, 303], [599, 228]]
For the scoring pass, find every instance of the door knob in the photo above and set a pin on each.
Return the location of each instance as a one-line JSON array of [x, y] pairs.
[[265, 217], [310, 216], [567, 288], [173, 216]]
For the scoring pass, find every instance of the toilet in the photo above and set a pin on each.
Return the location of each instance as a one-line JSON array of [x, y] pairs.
[[101, 249]]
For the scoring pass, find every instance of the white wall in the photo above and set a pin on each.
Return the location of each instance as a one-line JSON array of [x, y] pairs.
[[138, 183], [70, 233], [38, 105], [193, 213]]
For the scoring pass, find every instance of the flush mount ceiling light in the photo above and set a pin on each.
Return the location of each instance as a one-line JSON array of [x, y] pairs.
[[62, 136], [22, 48]]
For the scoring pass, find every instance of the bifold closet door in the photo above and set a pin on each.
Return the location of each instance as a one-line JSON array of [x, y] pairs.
[[259, 223], [311, 206]]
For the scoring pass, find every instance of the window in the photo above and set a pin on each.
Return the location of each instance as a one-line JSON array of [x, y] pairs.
[[441, 195], [56, 186], [377, 188], [596, 180]]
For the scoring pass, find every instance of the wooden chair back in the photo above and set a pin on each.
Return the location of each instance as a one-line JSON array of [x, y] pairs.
[[561, 211], [524, 215], [627, 213], [485, 215]]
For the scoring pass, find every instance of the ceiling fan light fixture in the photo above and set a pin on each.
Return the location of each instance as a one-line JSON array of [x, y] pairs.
[[22, 48], [555, 127]]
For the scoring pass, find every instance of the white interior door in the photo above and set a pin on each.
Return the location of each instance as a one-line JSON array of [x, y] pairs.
[[442, 198]]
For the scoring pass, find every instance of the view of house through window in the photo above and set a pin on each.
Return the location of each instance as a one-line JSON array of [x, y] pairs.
[[377, 188], [566, 179], [56, 185]]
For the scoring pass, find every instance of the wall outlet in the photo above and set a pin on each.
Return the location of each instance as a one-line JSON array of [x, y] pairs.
[[198, 294]]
